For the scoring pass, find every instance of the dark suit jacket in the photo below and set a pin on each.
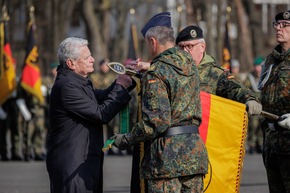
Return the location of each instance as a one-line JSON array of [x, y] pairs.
[[75, 140]]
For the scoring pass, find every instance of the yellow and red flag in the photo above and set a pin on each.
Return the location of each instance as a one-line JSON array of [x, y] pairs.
[[7, 65], [31, 75], [223, 130]]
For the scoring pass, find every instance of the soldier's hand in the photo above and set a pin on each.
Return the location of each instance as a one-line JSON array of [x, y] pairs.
[[253, 107], [124, 80], [121, 141], [137, 65], [284, 121]]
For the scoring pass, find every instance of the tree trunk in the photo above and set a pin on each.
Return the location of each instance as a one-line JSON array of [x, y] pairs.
[[245, 46], [96, 45]]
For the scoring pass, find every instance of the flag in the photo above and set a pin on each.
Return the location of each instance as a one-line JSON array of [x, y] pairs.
[[31, 75], [133, 42], [137, 185], [226, 59], [7, 65], [223, 130], [125, 112]]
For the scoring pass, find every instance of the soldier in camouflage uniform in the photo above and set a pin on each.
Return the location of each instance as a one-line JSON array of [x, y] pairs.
[[275, 98], [214, 79], [176, 158], [255, 136], [10, 123], [33, 130], [47, 83]]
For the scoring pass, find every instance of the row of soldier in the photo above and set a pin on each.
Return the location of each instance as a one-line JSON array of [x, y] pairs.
[[24, 122]]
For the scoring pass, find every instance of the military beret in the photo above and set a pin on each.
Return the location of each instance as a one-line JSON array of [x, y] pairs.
[[161, 19], [53, 65], [283, 16], [258, 61], [189, 33]]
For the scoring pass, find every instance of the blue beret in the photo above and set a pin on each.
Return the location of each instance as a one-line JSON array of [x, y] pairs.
[[189, 33], [161, 19], [283, 16]]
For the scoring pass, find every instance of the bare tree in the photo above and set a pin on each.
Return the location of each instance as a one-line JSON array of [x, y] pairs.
[[52, 24], [245, 46], [92, 29]]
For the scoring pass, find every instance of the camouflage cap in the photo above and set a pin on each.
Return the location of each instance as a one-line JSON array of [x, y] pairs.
[[283, 16], [161, 19], [189, 33]]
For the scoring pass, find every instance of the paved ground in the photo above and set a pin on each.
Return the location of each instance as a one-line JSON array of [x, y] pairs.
[[31, 177]]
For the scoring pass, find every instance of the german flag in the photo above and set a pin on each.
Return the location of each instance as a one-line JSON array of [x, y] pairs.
[[226, 59], [31, 75], [7, 65], [224, 131]]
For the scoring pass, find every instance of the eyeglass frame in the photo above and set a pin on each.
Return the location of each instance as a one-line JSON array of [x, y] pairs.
[[189, 46], [283, 24]]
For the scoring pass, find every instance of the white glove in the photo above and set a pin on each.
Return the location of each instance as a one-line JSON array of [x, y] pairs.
[[285, 121], [254, 108], [23, 109], [3, 114]]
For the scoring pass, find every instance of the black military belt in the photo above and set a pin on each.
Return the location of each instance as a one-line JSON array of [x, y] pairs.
[[180, 130]]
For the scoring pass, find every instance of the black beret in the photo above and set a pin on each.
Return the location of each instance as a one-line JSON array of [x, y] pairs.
[[161, 19], [189, 33], [283, 16]]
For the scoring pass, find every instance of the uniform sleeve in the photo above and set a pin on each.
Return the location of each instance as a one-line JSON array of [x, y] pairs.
[[156, 112], [229, 87], [81, 102]]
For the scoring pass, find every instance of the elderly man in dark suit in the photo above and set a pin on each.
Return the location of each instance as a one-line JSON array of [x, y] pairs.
[[77, 112]]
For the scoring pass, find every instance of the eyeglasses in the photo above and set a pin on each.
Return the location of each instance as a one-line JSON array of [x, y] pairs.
[[280, 24], [188, 46]]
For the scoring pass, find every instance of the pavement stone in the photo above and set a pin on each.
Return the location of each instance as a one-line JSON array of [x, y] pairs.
[[32, 177]]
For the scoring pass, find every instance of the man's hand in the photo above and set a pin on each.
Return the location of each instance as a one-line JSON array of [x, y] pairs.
[[121, 141], [124, 80], [137, 65], [253, 107], [284, 121]]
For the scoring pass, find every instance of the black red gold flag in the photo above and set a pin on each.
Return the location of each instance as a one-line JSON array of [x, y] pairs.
[[31, 75], [7, 65], [226, 59]]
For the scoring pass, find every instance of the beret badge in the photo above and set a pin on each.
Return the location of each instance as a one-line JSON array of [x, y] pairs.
[[286, 15], [193, 33]]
